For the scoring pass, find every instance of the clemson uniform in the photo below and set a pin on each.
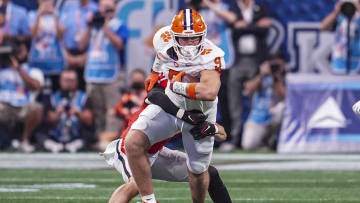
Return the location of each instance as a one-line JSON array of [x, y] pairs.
[[171, 59]]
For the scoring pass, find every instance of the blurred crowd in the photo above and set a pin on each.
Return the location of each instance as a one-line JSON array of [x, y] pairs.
[[64, 84]]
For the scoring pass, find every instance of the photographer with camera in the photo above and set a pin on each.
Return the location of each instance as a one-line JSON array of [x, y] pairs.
[[70, 113], [346, 44], [17, 81], [105, 37], [46, 50], [268, 91], [74, 17]]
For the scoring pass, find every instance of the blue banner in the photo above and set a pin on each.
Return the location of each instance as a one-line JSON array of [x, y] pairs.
[[295, 30], [318, 115]]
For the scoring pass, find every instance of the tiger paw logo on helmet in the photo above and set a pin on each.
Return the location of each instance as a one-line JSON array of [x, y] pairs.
[[166, 36], [188, 24]]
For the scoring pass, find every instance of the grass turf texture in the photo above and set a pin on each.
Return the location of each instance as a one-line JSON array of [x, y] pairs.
[[244, 186]]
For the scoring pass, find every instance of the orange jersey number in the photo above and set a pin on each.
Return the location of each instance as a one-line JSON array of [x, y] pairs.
[[217, 61]]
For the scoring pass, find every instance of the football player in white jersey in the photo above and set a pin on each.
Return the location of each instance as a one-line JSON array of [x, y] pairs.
[[181, 49]]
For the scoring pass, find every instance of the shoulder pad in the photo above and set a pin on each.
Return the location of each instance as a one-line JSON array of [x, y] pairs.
[[211, 51], [162, 38]]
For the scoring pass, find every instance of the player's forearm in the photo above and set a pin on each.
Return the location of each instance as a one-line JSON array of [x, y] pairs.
[[209, 85], [198, 91], [206, 92]]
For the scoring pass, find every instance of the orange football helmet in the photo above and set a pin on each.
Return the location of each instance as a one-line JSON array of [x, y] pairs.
[[188, 23]]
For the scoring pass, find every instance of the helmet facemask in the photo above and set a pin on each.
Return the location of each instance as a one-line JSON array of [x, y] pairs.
[[189, 52]]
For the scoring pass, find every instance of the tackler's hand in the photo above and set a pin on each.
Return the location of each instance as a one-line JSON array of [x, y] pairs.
[[194, 117], [177, 80], [203, 130], [151, 81], [178, 77]]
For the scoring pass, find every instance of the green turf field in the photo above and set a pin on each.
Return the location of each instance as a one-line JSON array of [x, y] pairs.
[[73, 186]]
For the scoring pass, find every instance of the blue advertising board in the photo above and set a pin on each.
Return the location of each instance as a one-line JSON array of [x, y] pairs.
[[318, 115]]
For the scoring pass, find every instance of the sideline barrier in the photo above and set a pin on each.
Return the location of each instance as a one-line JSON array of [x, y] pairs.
[[318, 116]]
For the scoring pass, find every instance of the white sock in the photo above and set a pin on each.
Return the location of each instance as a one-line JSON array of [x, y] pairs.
[[149, 198]]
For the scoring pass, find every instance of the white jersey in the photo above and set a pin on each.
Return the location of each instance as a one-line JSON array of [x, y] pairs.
[[168, 62]]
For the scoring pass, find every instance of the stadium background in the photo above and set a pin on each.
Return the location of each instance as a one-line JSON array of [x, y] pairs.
[[250, 177], [295, 31]]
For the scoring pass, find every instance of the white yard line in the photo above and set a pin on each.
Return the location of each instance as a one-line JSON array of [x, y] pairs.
[[114, 180], [274, 162]]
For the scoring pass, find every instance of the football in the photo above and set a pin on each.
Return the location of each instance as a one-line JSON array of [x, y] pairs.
[[190, 78]]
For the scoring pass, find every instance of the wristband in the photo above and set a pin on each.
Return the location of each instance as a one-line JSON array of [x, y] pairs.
[[186, 89], [191, 91], [180, 88]]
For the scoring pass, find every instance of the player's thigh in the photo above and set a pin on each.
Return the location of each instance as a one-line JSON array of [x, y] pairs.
[[170, 165], [156, 124], [199, 152]]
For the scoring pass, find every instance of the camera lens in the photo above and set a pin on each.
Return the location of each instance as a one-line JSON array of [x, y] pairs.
[[348, 9], [98, 20]]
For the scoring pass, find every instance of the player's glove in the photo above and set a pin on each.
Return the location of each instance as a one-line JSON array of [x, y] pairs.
[[194, 117], [204, 130], [178, 77], [151, 81], [356, 108]]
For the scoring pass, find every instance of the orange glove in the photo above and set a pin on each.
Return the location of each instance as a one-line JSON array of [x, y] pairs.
[[151, 81], [178, 77]]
